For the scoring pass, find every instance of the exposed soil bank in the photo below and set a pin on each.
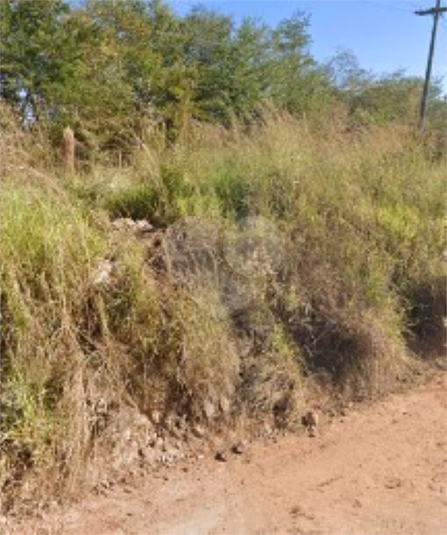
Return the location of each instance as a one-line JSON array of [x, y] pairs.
[[380, 469]]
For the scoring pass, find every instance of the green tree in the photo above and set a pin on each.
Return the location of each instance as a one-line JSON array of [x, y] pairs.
[[345, 73], [291, 64], [37, 54], [250, 67], [208, 49]]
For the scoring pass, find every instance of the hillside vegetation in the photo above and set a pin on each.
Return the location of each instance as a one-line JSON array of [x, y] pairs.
[[92, 318]]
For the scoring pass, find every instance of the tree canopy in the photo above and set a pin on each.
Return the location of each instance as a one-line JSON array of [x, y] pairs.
[[105, 66]]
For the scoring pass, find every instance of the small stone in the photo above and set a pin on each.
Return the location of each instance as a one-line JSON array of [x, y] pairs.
[[209, 409], [179, 423], [310, 419], [238, 448], [221, 456], [158, 444], [268, 431], [103, 273], [122, 223], [143, 227], [198, 431], [225, 405], [156, 417]]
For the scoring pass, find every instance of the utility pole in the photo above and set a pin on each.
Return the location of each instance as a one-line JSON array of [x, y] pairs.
[[435, 11]]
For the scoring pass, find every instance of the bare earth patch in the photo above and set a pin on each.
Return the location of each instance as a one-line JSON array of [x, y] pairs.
[[381, 469]]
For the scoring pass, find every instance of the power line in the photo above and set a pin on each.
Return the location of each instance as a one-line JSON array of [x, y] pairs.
[[412, 4], [409, 6], [387, 5]]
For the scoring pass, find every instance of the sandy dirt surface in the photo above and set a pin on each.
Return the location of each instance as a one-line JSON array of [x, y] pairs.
[[380, 469]]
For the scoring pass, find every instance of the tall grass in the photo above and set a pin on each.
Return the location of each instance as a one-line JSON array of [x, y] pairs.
[[362, 218]]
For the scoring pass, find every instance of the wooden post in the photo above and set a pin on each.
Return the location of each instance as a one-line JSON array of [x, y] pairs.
[[68, 149], [435, 11]]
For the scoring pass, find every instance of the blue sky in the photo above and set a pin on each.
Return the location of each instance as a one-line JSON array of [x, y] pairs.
[[385, 35]]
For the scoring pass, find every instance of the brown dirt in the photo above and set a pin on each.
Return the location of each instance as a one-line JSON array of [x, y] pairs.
[[381, 469]]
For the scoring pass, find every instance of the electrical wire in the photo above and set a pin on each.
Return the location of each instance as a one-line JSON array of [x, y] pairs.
[[387, 5], [410, 7]]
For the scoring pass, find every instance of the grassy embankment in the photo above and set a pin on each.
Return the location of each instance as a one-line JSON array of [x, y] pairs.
[[362, 216]]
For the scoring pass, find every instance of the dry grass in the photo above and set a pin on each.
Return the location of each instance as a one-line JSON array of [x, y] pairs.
[[362, 218]]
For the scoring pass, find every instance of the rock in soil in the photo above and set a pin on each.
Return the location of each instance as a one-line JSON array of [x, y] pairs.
[[238, 448], [221, 456]]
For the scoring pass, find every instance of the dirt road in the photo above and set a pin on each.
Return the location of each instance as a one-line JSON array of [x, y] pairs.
[[381, 469]]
